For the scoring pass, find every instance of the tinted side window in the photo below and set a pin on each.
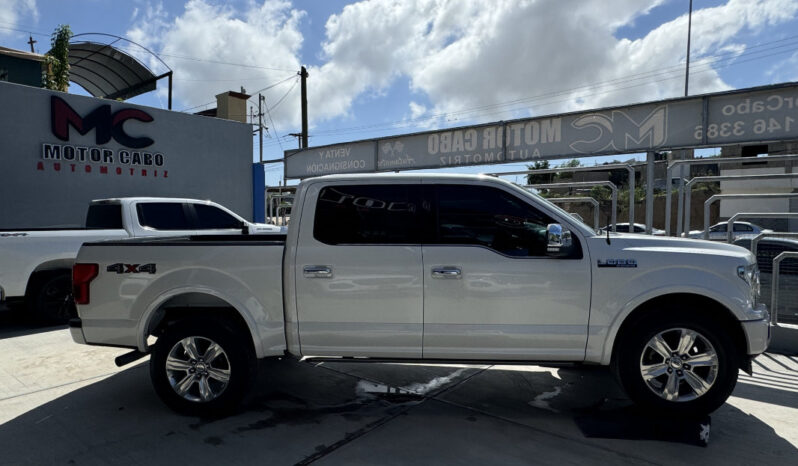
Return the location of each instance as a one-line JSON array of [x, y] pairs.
[[718, 228], [493, 218], [742, 227], [104, 216], [210, 217], [366, 214], [163, 215]]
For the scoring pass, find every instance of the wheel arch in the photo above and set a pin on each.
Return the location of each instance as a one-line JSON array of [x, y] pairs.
[[181, 304], [654, 306], [52, 267]]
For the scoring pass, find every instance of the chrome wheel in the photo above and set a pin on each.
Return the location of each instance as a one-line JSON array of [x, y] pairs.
[[198, 369], [679, 364]]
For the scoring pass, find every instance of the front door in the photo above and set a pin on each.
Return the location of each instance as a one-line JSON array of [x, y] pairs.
[[358, 272], [492, 290]]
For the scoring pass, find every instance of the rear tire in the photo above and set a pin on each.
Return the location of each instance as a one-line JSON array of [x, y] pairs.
[[48, 298], [203, 367], [677, 363]]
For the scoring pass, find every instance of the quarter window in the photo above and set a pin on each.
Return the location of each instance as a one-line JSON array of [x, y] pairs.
[[366, 214]]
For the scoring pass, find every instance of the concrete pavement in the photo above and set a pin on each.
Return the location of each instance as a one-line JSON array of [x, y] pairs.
[[63, 403]]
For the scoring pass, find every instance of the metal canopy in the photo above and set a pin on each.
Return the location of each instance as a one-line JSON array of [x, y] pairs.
[[108, 72]]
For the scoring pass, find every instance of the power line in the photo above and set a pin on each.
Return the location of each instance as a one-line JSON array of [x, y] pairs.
[[259, 90], [286, 94], [218, 62], [275, 128]]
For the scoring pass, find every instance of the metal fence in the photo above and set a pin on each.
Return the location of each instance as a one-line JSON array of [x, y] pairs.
[[778, 273], [588, 200], [583, 185]]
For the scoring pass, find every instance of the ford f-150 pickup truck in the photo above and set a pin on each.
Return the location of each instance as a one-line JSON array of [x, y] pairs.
[[426, 268], [36, 265]]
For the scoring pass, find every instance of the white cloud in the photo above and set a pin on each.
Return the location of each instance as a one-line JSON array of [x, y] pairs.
[[12, 11], [456, 55], [417, 109], [465, 55], [206, 34]]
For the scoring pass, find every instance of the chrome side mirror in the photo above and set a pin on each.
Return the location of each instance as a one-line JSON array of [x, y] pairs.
[[557, 237]]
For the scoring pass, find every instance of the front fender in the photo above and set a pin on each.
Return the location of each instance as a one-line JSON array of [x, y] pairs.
[[611, 306]]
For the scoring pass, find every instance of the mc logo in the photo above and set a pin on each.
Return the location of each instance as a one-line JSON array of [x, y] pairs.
[[619, 132], [105, 124]]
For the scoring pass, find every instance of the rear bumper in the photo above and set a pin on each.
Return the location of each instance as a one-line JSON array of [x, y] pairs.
[[757, 334], [76, 330]]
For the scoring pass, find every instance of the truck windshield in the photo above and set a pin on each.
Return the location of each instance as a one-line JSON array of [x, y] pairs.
[[104, 217]]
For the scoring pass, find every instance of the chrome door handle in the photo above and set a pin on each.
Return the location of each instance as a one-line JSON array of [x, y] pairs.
[[317, 271], [446, 272]]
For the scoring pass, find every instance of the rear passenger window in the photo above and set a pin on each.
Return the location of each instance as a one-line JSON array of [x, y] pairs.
[[366, 214], [210, 217], [162, 215]]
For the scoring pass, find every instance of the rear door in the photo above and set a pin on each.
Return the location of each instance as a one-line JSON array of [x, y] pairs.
[[492, 290], [358, 271]]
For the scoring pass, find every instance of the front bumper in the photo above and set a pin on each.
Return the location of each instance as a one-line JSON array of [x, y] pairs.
[[758, 333], [76, 330]]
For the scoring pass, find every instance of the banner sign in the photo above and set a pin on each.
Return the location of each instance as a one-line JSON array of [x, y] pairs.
[[743, 116]]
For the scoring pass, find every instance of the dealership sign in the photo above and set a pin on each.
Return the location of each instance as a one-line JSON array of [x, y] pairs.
[[736, 117], [59, 151], [131, 159]]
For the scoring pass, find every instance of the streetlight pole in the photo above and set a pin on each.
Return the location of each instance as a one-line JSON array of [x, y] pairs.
[[687, 68]]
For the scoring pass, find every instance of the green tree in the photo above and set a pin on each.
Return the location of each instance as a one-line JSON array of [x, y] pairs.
[[533, 178], [55, 75], [566, 175]]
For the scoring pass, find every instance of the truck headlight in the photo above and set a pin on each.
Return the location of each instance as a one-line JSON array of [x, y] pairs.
[[750, 274]]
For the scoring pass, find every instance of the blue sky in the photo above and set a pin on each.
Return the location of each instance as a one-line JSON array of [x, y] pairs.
[[386, 67]]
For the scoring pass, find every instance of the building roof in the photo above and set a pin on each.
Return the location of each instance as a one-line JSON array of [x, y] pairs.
[[21, 54]]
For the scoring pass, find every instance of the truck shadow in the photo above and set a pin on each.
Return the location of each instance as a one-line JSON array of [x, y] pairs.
[[15, 321], [301, 412]]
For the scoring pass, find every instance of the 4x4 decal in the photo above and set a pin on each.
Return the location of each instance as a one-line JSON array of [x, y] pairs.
[[131, 268]]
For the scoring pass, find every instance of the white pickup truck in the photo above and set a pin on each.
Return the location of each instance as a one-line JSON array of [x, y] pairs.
[[36, 265], [426, 268]]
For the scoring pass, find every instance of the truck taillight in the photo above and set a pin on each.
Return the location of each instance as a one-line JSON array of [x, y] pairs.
[[82, 275]]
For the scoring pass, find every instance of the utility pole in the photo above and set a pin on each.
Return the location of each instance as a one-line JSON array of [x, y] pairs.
[[303, 73], [687, 68], [260, 124], [31, 42], [298, 137]]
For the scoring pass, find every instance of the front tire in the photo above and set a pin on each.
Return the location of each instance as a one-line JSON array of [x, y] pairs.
[[202, 367], [677, 363]]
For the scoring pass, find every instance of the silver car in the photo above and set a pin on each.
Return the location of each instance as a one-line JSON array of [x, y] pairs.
[[718, 231]]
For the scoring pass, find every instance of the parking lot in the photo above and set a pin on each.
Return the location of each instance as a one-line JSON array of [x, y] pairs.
[[63, 403]]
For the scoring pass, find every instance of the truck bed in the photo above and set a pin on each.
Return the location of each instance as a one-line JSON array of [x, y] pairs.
[[140, 278]]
